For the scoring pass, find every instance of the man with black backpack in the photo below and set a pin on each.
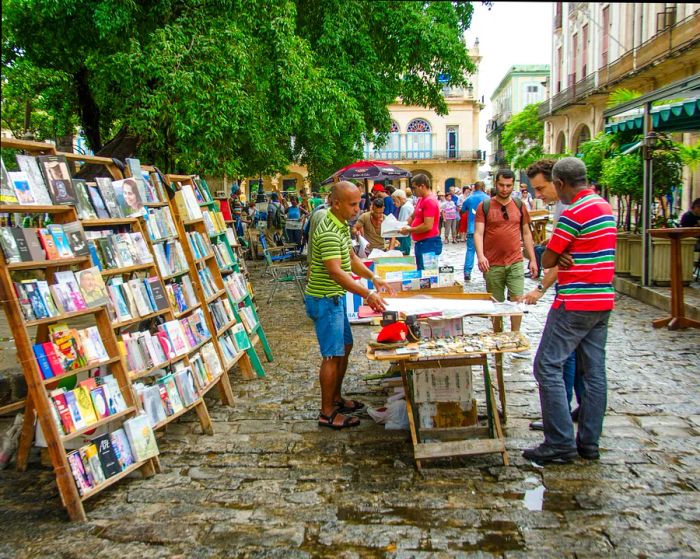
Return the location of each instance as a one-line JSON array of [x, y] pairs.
[[501, 223]]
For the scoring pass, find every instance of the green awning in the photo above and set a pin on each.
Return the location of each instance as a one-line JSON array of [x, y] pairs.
[[669, 118]]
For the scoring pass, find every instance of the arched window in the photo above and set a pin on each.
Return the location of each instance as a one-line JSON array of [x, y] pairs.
[[394, 127], [584, 135], [419, 139], [561, 143]]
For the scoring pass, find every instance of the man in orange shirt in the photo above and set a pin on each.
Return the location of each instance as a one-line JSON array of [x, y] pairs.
[[497, 239]]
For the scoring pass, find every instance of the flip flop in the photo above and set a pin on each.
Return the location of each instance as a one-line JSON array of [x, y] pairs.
[[349, 406], [329, 421]]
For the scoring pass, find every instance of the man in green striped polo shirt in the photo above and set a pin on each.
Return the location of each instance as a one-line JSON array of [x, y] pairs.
[[332, 263]]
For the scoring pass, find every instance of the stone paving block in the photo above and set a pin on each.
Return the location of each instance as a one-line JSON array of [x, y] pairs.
[[251, 535], [371, 535]]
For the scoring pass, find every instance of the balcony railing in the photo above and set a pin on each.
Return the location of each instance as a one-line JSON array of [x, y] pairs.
[[664, 44], [497, 158], [415, 154]]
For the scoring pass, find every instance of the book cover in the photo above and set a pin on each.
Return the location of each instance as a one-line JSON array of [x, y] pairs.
[[47, 297], [95, 257], [84, 403], [42, 361], [141, 439], [83, 204], [129, 197], [92, 287], [54, 357], [186, 386], [97, 201], [165, 399], [48, 244], [104, 186], [115, 398], [99, 402], [9, 245], [61, 404], [76, 238], [68, 285], [29, 165], [60, 239], [78, 471], [22, 244], [20, 182], [137, 176], [240, 337], [122, 450], [24, 303], [93, 460], [176, 336], [35, 298], [171, 387], [7, 193], [166, 344], [152, 404], [57, 177], [31, 235], [107, 456], [72, 403]]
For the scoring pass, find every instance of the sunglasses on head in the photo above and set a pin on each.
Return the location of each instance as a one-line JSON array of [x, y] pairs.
[[504, 211]]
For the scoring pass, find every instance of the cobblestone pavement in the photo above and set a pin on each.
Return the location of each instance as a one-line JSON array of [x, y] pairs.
[[270, 483]]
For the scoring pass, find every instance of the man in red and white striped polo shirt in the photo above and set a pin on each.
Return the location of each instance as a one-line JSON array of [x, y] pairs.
[[583, 246]]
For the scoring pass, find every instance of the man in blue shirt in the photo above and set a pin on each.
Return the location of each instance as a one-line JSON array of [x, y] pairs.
[[469, 207]]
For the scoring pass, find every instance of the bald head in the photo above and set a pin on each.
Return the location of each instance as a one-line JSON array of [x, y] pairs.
[[345, 200], [341, 190]]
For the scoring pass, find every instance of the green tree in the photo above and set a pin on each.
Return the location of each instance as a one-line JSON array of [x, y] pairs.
[[522, 138], [594, 153], [233, 86]]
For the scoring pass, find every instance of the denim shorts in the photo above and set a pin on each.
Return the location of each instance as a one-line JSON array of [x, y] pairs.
[[331, 321], [432, 244]]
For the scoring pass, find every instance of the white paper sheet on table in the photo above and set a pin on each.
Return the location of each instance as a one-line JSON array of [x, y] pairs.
[[418, 304], [378, 253], [391, 227]]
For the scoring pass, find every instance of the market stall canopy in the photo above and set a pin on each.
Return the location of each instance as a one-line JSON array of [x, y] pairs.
[[676, 117], [364, 170]]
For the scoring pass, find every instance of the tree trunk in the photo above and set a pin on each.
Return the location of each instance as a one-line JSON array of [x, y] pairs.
[[88, 109]]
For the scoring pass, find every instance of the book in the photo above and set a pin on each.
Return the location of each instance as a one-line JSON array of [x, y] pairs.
[[173, 329], [186, 386], [171, 387], [141, 438], [54, 357], [240, 337], [92, 287], [30, 167], [48, 244], [9, 245], [129, 197], [57, 177], [7, 193], [78, 470], [91, 455], [99, 402], [83, 204], [137, 176], [152, 404], [104, 185], [69, 291], [47, 298], [31, 236], [22, 245], [20, 182], [76, 238], [115, 398], [84, 403], [97, 201], [74, 409], [42, 361], [60, 239], [121, 448], [107, 456], [25, 304], [35, 299]]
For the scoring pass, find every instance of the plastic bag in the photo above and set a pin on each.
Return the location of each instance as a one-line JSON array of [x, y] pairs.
[[396, 415], [9, 441]]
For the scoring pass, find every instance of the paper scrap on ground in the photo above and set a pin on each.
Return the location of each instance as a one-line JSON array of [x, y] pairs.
[[391, 227], [419, 305], [378, 253]]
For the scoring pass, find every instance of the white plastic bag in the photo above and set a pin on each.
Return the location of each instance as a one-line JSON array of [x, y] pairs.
[[396, 415]]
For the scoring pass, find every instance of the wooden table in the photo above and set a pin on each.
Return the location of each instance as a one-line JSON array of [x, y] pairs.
[[677, 320], [539, 220], [494, 441]]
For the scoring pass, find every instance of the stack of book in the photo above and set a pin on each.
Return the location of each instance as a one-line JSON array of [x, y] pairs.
[[69, 349], [236, 286], [73, 291], [200, 192], [109, 250], [200, 245], [86, 404], [221, 313], [234, 341], [248, 318], [145, 350], [206, 365], [206, 279], [186, 202], [223, 257], [170, 257], [181, 294], [111, 453], [137, 297], [214, 222], [169, 395], [159, 223], [27, 244]]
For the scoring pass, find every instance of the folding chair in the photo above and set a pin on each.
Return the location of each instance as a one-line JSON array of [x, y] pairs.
[[281, 267]]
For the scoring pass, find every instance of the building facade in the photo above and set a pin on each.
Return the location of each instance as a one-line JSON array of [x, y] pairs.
[[523, 85], [599, 47]]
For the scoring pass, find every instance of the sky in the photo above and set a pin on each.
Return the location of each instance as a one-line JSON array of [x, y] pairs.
[[509, 33]]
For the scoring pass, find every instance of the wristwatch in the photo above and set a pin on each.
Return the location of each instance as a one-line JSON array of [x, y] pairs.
[[540, 288], [371, 292]]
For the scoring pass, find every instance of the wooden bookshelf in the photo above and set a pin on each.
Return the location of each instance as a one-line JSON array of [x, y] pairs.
[[38, 403]]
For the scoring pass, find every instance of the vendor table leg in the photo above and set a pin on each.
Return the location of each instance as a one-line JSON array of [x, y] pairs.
[[498, 327], [491, 398], [409, 409]]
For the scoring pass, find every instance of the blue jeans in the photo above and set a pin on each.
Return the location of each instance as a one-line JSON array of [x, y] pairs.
[[433, 244], [539, 251], [469, 257], [586, 332], [572, 380]]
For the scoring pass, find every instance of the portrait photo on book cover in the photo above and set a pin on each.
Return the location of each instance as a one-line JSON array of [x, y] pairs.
[[59, 181], [92, 287], [128, 197]]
